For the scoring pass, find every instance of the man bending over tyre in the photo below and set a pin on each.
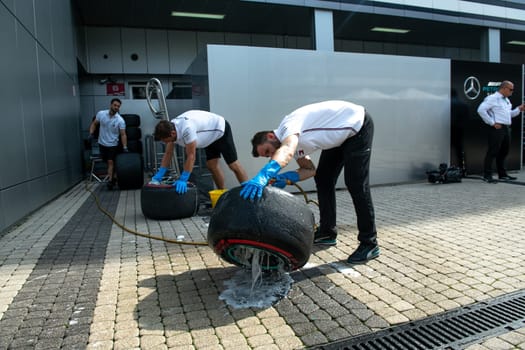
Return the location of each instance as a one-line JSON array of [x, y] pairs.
[[198, 129], [343, 131]]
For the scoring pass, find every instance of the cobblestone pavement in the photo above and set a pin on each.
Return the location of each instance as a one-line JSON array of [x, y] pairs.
[[70, 278]]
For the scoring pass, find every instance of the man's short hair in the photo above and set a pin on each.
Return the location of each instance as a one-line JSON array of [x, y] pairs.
[[258, 139], [163, 130], [116, 99]]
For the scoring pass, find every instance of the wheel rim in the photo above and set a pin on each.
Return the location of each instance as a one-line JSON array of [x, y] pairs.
[[242, 254]]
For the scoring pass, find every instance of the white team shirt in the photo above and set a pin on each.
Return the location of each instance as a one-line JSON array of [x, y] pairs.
[[201, 126], [321, 125], [110, 127], [496, 108]]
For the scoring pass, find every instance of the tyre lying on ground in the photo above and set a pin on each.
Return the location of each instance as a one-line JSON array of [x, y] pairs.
[[129, 169], [162, 202], [278, 229]]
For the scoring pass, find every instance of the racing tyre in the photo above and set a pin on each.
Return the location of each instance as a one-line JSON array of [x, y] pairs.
[[135, 146], [162, 202], [130, 175], [133, 133], [277, 229], [131, 120]]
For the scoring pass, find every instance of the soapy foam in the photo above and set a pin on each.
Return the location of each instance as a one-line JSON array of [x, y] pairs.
[[255, 287]]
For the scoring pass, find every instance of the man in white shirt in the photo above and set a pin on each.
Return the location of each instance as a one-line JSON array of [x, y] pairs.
[[343, 131], [497, 112], [198, 129], [112, 126]]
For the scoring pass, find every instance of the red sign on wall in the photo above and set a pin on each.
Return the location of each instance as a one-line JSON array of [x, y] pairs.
[[115, 89]]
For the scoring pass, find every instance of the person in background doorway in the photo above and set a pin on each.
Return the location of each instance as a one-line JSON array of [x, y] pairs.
[[459, 117], [198, 129], [343, 131], [112, 126], [497, 112]]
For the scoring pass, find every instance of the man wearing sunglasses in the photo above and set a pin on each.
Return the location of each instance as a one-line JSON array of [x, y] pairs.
[[497, 112]]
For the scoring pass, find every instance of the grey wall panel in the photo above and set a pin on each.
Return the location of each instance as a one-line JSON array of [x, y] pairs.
[[69, 128], [408, 97], [12, 207], [205, 38], [52, 108], [182, 50], [31, 112], [64, 36], [39, 192], [14, 128], [157, 51], [39, 138], [10, 4], [44, 32], [8, 96], [105, 54], [24, 12], [134, 58], [2, 212], [237, 39]]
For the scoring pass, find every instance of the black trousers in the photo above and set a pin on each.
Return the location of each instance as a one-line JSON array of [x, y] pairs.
[[498, 147], [354, 156]]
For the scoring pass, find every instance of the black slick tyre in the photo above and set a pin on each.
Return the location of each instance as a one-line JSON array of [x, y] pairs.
[[131, 119], [162, 202], [129, 170], [279, 225]]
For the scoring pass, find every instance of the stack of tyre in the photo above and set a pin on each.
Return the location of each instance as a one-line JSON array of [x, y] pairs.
[[133, 132], [129, 165]]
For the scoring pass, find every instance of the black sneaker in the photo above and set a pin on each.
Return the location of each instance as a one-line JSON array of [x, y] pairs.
[[324, 238], [363, 253], [507, 178], [489, 180]]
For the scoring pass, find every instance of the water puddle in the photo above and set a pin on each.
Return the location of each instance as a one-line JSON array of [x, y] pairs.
[[256, 286]]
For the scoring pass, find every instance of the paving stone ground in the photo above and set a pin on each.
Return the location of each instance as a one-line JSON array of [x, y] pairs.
[[72, 279]]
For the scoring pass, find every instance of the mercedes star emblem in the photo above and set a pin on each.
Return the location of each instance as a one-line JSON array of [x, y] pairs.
[[471, 88]]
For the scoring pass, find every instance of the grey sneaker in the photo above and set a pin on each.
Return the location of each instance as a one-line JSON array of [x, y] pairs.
[[363, 253], [324, 238], [325, 241]]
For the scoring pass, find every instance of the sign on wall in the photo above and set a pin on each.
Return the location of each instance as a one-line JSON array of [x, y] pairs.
[[115, 89]]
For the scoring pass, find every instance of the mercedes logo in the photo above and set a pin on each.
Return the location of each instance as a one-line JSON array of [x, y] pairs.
[[471, 88]]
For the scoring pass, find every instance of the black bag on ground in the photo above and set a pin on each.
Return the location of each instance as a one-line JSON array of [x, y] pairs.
[[445, 174]]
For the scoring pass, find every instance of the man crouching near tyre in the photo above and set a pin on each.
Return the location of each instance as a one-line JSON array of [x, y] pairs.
[[198, 129], [343, 131]]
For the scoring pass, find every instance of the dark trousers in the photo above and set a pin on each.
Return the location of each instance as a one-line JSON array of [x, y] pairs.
[[354, 156], [498, 147]]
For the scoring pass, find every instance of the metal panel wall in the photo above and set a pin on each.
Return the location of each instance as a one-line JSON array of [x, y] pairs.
[[408, 98], [40, 134]]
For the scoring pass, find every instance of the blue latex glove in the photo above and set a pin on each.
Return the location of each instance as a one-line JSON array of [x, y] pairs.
[[255, 186], [160, 174], [281, 180], [181, 185]]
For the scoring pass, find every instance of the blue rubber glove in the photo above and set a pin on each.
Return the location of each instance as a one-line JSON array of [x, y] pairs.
[[160, 174], [281, 180], [181, 185], [255, 186]]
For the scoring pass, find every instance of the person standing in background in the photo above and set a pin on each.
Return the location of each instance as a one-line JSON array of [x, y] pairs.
[[112, 126], [497, 112]]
